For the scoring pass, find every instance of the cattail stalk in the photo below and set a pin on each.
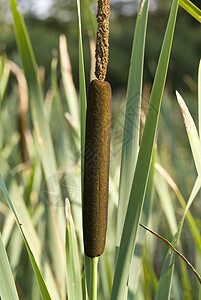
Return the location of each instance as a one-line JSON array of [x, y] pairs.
[[97, 143], [93, 278], [97, 151]]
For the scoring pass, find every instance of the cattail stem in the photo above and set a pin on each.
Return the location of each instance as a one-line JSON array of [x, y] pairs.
[[93, 278], [97, 151]]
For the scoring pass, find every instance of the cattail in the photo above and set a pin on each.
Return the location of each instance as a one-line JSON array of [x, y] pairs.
[[96, 167]]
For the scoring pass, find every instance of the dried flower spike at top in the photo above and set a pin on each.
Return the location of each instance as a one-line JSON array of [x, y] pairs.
[[102, 39]]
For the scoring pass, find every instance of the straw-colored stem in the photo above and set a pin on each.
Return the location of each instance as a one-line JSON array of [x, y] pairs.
[[93, 278]]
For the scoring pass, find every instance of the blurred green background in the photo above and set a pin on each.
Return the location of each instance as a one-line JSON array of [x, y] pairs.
[[46, 24]]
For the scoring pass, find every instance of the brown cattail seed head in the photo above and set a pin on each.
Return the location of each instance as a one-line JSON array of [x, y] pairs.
[[96, 167]]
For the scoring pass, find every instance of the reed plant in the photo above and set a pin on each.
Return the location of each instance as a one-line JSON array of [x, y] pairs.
[[77, 220]]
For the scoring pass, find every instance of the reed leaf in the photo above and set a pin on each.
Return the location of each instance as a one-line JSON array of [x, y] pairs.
[[194, 192], [166, 202], [73, 274], [4, 76], [69, 88], [199, 100], [82, 91], [43, 138], [7, 287], [130, 144], [191, 8], [192, 133], [43, 288], [35, 92], [128, 239], [138, 253], [165, 282]]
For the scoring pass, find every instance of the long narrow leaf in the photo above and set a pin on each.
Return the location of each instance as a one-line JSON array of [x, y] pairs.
[[137, 259], [42, 135], [165, 282], [7, 286], [166, 202], [192, 133], [91, 17], [130, 143], [74, 287], [4, 76], [69, 88], [143, 163], [21, 214], [191, 8], [82, 90], [199, 99], [35, 90], [186, 207], [43, 288]]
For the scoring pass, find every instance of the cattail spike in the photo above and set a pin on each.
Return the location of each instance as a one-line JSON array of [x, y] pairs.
[[96, 167]]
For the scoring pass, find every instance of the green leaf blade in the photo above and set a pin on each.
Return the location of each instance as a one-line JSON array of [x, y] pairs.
[[73, 274], [143, 163], [7, 286], [132, 118], [191, 8], [82, 90], [43, 288]]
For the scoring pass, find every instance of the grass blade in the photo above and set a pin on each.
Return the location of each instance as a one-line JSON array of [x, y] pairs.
[[199, 99], [143, 163], [91, 18], [165, 281], [192, 133], [166, 202], [20, 212], [186, 207], [4, 76], [130, 143], [43, 288], [69, 88], [137, 259], [165, 284], [74, 284], [42, 135], [7, 287], [82, 90], [30, 69], [191, 8]]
